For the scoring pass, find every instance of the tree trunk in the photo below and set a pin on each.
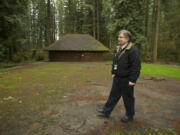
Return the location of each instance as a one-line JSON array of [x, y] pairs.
[[97, 16], [147, 18], [152, 24], [61, 18], [94, 19], [48, 38], [156, 32]]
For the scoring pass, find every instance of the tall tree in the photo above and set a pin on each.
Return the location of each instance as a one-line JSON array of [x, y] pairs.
[[147, 18], [13, 33], [97, 20], [94, 18], [156, 34], [48, 23], [60, 9]]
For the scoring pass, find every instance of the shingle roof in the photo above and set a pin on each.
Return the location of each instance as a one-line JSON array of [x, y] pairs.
[[77, 42]]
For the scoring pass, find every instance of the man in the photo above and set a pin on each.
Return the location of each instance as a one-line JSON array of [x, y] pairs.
[[125, 71]]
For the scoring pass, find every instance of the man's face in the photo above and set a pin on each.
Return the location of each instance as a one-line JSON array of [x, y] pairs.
[[122, 40]]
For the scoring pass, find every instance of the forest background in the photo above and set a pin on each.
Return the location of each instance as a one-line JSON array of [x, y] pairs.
[[29, 26]]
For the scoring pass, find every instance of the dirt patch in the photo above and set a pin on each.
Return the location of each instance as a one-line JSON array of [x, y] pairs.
[[142, 95], [48, 100], [35, 126], [123, 128], [85, 98], [166, 85], [175, 122]]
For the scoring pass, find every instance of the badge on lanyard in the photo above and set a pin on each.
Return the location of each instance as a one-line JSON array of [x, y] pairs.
[[115, 67]]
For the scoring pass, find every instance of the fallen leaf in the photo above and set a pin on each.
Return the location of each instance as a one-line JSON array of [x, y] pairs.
[[8, 98], [14, 100], [47, 112], [20, 101], [35, 125]]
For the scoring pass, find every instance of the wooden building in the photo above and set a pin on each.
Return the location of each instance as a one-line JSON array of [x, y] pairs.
[[77, 47]]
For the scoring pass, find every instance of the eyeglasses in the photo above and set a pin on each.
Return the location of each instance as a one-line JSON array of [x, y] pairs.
[[121, 37]]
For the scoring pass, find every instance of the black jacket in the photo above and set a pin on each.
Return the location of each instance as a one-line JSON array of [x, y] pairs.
[[128, 63]]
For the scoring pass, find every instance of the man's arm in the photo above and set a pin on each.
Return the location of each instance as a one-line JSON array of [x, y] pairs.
[[112, 70], [135, 66]]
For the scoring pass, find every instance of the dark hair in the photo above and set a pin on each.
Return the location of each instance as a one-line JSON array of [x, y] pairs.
[[126, 33]]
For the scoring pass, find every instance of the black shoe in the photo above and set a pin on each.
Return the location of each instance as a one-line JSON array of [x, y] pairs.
[[126, 119], [102, 114]]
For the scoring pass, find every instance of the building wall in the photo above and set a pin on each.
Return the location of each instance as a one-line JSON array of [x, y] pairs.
[[75, 56]]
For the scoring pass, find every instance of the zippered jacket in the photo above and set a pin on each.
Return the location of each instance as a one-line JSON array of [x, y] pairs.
[[127, 63]]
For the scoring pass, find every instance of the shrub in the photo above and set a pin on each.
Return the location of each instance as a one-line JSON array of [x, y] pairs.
[[17, 58], [39, 55]]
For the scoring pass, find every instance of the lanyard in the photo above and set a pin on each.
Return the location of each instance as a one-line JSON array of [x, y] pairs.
[[121, 52]]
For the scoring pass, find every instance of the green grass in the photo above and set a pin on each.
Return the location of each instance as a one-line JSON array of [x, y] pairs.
[[159, 69], [147, 132], [34, 88], [5, 67], [169, 70]]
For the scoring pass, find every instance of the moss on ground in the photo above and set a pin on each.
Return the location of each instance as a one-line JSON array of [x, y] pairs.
[[26, 92]]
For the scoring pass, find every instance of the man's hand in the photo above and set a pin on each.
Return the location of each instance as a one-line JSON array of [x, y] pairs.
[[131, 83], [113, 75]]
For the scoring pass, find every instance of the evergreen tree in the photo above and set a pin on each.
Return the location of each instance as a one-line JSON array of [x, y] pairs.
[[13, 31]]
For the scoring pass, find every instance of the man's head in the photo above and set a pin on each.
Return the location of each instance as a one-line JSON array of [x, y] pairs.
[[124, 37]]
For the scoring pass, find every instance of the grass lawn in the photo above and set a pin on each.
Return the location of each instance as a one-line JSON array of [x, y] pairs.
[[169, 70], [147, 132], [27, 90], [159, 69], [34, 84]]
